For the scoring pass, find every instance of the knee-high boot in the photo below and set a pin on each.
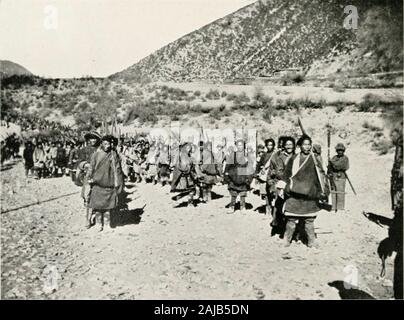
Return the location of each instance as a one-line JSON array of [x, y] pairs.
[[290, 230], [309, 228]]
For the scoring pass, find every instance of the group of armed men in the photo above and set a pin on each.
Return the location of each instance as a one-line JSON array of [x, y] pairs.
[[289, 175]]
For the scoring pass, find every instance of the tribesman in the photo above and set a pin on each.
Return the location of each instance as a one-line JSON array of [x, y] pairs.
[[337, 166], [262, 171], [106, 179], [174, 154], [39, 158], [28, 156], [209, 170], [53, 152], [238, 176], [133, 161], [73, 159], [196, 159], [275, 189], [184, 174], [60, 160], [163, 163], [124, 155], [151, 164], [83, 161], [304, 190], [220, 158]]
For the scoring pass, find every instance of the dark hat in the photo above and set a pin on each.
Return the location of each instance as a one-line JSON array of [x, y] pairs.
[[110, 138], [340, 146], [92, 135]]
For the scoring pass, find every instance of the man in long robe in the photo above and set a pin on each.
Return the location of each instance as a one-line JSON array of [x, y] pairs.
[[39, 158], [83, 163], [209, 170], [238, 176], [263, 164], [163, 163], [275, 175], [106, 179], [303, 191], [337, 167], [184, 174]]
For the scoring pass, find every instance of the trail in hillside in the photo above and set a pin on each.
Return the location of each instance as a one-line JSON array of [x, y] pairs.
[[158, 251]]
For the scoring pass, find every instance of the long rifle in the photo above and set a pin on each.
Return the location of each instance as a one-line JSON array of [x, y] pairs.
[[350, 183], [301, 126], [330, 178]]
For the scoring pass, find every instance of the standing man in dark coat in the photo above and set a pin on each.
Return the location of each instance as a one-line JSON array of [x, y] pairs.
[[276, 172], [238, 176], [262, 171], [106, 179], [60, 161], [303, 191], [185, 173], [209, 170], [337, 167], [28, 158], [83, 164]]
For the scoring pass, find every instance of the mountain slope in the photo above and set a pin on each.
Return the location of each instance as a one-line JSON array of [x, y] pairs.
[[9, 68], [254, 41]]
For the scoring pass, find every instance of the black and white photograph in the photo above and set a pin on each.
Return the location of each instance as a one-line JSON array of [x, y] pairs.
[[188, 150]]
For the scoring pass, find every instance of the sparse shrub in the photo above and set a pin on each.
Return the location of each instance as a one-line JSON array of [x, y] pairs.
[[369, 103], [382, 146], [292, 78], [261, 100], [338, 88], [196, 108], [339, 108], [231, 97], [267, 116], [213, 95], [224, 94], [197, 93], [216, 114], [370, 126]]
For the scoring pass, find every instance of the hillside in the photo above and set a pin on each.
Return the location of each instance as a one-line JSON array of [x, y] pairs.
[[9, 68], [257, 40]]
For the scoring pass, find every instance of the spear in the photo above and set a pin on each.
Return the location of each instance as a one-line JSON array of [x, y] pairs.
[[301, 126]]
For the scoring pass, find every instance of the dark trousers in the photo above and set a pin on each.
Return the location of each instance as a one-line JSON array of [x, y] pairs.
[[234, 194], [308, 225]]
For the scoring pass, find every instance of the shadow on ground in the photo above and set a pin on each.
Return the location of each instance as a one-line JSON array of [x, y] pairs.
[[126, 217], [350, 293]]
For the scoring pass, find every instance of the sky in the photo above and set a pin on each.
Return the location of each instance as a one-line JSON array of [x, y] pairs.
[[74, 38]]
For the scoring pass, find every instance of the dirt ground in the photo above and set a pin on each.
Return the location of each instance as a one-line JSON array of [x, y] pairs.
[[160, 249]]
